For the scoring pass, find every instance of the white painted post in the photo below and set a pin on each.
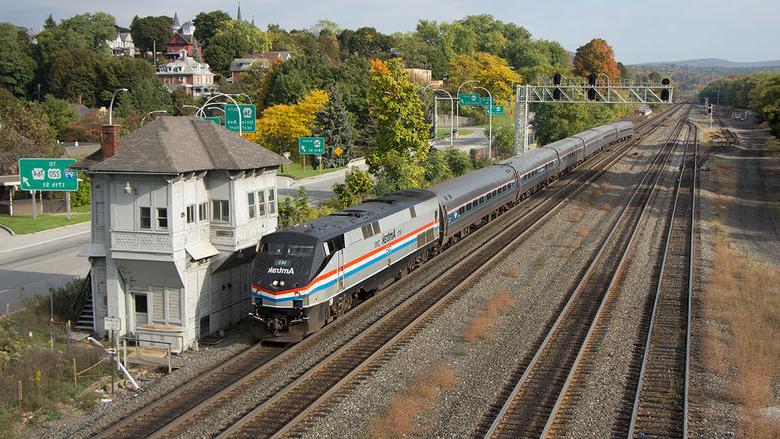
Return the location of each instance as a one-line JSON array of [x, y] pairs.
[[34, 210]]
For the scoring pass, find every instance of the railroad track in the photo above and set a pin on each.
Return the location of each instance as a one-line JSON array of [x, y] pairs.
[[661, 403], [292, 410], [167, 409], [576, 384], [529, 406], [171, 413]]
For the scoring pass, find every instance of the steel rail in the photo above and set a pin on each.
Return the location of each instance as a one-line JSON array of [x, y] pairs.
[[659, 294], [162, 416], [289, 400], [654, 172]]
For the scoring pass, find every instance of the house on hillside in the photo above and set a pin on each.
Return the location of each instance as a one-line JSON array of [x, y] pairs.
[[178, 207], [266, 59], [122, 45], [182, 43], [187, 73]]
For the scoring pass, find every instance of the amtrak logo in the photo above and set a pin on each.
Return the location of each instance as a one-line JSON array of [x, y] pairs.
[[281, 270]]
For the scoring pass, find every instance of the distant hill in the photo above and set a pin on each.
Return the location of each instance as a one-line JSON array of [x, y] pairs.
[[716, 63]]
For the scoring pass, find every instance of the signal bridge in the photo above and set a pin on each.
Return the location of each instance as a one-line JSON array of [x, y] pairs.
[[579, 92]]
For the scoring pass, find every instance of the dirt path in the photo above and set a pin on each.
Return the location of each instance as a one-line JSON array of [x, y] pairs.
[[735, 384], [751, 175]]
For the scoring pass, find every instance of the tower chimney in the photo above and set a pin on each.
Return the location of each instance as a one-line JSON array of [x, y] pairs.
[[109, 140]]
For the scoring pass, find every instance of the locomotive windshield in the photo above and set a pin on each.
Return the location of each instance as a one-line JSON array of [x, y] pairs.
[[288, 258]]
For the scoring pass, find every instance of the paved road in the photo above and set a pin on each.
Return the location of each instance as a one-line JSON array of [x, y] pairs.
[[30, 264], [476, 140], [319, 186]]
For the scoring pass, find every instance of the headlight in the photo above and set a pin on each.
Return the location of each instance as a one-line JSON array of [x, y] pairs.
[[281, 282], [274, 283], [297, 294]]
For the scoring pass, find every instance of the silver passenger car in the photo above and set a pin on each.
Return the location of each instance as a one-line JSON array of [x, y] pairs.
[[466, 200]]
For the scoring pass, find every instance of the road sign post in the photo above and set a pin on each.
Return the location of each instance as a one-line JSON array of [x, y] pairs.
[[247, 118], [310, 146], [47, 175]]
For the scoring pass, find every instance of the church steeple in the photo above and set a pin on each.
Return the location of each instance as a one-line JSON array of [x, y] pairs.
[[175, 26], [238, 15]]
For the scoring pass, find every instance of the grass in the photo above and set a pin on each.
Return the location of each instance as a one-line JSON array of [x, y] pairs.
[[401, 419], [445, 132], [743, 296], [482, 325], [22, 225], [46, 374], [296, 171]]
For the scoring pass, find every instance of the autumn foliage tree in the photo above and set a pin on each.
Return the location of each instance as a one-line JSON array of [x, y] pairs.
[[596, 57], [491, 71], [280, 126]]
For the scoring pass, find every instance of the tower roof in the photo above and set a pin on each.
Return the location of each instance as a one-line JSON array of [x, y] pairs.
[[175, 24]]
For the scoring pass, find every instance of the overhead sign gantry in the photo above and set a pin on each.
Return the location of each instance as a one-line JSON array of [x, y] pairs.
[[579, 92]]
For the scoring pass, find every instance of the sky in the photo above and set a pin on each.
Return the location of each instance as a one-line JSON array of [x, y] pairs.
[[638, 31]]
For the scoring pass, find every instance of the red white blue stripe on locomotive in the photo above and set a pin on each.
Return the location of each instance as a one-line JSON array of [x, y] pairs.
[[349, 269]]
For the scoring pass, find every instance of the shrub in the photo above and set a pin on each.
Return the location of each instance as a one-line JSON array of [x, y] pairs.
[[63, 298], [458, 161]]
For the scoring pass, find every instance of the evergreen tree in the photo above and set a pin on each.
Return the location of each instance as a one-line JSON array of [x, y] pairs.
[[334, 124]]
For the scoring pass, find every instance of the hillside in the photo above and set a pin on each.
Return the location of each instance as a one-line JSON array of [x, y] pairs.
[[715, 63]]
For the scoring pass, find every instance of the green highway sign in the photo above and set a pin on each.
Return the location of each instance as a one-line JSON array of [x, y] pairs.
[[496, 110], [47, 175], [248, 117], [485, 101], [215, 119], [469, 99], [311, 145]]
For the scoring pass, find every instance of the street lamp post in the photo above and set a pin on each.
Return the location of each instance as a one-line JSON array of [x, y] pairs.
[[151, 112], [490, 122], [238, 109], [111, 105], [452, 120], [457, 111], [242, 94]]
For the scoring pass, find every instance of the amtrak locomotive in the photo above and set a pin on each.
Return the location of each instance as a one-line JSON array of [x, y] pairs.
[[307, 275]]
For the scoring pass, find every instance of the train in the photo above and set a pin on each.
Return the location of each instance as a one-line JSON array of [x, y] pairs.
[[306, 276]]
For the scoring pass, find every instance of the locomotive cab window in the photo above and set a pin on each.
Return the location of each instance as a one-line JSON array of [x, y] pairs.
[[334, 245]]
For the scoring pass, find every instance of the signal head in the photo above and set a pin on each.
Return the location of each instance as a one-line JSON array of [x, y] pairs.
[[557, 79], [665, 81], [592, 79]]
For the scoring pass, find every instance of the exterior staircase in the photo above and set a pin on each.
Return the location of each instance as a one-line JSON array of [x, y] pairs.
[[83, 307]]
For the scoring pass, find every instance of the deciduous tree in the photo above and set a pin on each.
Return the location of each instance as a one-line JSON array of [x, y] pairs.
[[60, 112], [400, 144], [491, 71], [281, 125], [596, 57], [147, 31], [17, 65], [207, 23], [234, 39]]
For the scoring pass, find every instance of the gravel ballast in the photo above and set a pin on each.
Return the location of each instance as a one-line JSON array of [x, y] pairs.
[[538, 274]]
